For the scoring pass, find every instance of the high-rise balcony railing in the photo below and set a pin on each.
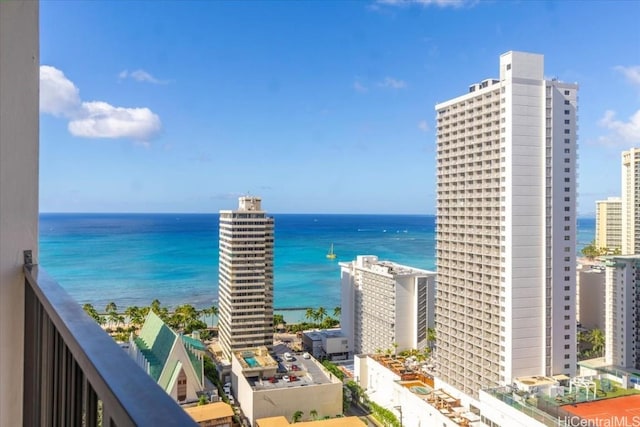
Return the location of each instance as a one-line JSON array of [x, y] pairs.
[[75, 374]]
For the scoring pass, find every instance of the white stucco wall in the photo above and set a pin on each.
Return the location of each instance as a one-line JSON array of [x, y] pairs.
[[19, 138]]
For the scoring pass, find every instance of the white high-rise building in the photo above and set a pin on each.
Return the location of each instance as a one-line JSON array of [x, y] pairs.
[[622, 307], [506, 228], [246, 277], [609, 223], [631, 201], [385, 304]]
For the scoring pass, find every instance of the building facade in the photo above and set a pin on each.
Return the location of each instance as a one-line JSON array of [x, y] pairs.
[[386, 305], [631, 201], [245, 277], [622, 307], [609, 223], [506, 228]]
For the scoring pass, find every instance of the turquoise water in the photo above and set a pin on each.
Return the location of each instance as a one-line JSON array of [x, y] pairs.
[[132, 259]]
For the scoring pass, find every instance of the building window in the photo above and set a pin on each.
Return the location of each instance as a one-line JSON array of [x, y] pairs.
[[567, 356], [567, 209], [567, 237], [567, 268], [567, 298], [567, 102], [567, 111], [567, 189], [567, 346], [567, 150], [567, 170], [567, 131], [567, 308], [567, 249], [508, 67], [567, 218], [567, 121], [567, 160], [567, 179], [567, 288], [567, 258], [566, 366], [567, 278], [566, 337], [566, 92], [567, 199], [567, 140], [182, 386]]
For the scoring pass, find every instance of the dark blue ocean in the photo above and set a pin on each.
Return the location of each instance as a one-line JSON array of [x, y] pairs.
[[132, 259]]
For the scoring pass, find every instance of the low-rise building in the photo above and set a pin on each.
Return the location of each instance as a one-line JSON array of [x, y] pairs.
[[329, 344], [266, 388], [169, 359], [219, 414], [591, 296]]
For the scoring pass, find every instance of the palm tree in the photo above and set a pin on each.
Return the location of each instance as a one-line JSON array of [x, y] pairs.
[[111, 307], [310, 314], [337, 311], [297, 416], [135, 316], [314, 414], [322, 312], [431, 337], [395, 349]]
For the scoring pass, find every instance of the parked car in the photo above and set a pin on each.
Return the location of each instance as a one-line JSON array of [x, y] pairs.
[[288, 357], [273, 380], [295, 368], [285, 378], [306, 356], [232, 401]]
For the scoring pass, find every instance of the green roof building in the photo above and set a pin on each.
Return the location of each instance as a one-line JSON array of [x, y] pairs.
[[172, 360]]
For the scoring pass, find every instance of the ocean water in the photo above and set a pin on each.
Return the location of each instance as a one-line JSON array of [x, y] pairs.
[[132, 259]]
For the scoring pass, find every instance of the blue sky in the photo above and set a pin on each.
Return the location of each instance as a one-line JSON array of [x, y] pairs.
[[318, 107]]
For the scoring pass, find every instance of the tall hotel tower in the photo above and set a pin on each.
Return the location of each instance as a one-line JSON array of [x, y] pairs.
[[246, 277], [631, 201], [506, 228]]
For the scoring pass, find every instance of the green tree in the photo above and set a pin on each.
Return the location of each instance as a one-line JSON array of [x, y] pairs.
[[591, 251], [202, 400], [297, 416], [395, 349], [337, 311], [597, 340], [314, 414], [93, 313]]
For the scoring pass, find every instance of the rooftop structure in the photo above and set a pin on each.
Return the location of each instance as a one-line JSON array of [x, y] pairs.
[[212, 414], [331, 344], [169, 359], [506, 228], [246, 277], [265, 387], [281, 421], [386, 305]]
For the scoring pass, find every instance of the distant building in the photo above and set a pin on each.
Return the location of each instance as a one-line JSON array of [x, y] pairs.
[[331, 344], [631, 201], [622, 332], [245, 277], [591, 297], [219, 414], [609, 223], [384, 303], [506, 228], [266, 388], [170, 359]]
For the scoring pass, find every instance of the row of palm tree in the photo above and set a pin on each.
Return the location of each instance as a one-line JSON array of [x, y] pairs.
[[185, 317], [319, 314]]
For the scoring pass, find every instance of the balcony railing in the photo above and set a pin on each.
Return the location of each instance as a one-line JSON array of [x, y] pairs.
[[75, 374]]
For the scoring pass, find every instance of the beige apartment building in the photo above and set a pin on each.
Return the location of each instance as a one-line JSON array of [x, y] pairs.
[[245, 277], [506, 228], [609, 223]]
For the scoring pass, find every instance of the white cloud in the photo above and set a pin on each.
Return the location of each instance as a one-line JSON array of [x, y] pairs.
[[423, 126], [58, 95], [94, 119], [359, 87], [426, 3], [632, 73], [102, 120], [624, 132], [390, 82], [141, 76]]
